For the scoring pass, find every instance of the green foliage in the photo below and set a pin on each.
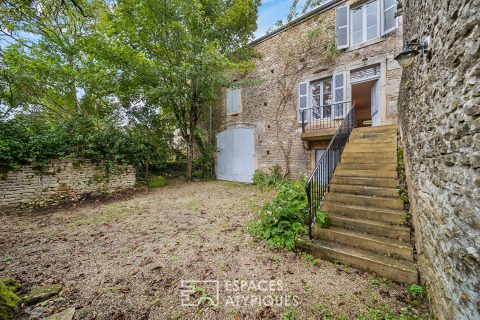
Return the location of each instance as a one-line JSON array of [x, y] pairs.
[[322, 219], [386, 313], [265, 180], [34, 139], [310, 258], [8, 302], [155, 182], [416, 291], [282, 220]]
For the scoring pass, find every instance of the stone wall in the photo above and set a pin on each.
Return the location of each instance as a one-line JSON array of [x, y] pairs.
[[439, 108], [261, 95], [59, 180]]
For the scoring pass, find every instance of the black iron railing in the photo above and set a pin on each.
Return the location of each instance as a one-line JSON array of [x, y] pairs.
[[319, 181], [324, 117]]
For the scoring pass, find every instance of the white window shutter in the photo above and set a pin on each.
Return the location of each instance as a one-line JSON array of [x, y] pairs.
[[341, 27], [389, 21], [302, 101], [234, 100], [339, 94], [229, 100]]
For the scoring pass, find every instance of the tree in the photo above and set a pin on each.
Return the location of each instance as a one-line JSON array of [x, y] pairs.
[[177, 53]]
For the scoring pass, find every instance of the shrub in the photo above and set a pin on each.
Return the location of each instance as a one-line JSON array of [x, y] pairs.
[[9, 302], [155, 182], [282, 220], [416, 291], [322, 219], [264, 180]]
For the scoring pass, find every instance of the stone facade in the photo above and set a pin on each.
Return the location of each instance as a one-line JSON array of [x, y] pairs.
[[277, 131], [439, 108], [68, 179]]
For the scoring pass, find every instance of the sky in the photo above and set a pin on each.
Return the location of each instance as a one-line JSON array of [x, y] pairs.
[[271, 11]]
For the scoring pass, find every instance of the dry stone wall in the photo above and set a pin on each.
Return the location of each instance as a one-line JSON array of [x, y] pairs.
[[439, 110], [59, 180]]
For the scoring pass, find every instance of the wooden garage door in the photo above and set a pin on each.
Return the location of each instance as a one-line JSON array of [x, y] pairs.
[[235, 155]]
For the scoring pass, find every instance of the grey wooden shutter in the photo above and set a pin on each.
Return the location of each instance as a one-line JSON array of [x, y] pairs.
[[339, 94], [234, 100], [389, 21], [341, 27], [302, 100], [229, 100]]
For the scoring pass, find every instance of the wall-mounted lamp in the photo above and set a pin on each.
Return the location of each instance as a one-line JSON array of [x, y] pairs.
[[411, 49]]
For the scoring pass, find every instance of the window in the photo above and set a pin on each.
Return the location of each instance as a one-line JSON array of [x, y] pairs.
[[234, 100], [321, 93], [365, 22]]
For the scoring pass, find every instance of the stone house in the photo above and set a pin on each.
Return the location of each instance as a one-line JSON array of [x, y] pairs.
[[316, 66]]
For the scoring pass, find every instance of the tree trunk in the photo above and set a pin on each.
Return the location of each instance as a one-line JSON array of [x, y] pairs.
[[190, 144]]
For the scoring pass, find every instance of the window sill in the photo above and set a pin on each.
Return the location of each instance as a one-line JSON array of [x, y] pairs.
[[365, 44], [234, 113]]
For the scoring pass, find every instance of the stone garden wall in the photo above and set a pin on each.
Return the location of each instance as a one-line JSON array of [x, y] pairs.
[[67, 180], [439, 108]]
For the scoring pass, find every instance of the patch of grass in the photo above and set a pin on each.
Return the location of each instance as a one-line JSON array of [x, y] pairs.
[[387, 313], [416, 291], [111, 213], [310, 258], [290, 314], [155, 182], [7, 259]]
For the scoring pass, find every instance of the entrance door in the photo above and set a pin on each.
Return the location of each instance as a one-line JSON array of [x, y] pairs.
[[235, 157], [375, 104]]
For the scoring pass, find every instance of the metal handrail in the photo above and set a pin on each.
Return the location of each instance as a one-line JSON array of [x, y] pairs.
[[318, 183], [314, 119]]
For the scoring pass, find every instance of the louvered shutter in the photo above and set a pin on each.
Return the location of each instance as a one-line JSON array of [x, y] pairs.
[[229, 100], [339, 94], [341, 27], [234, 100], [389, 21], [302, 101]]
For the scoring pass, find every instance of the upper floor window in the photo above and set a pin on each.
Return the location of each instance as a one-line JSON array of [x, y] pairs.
[[364, 22], [234, 100]]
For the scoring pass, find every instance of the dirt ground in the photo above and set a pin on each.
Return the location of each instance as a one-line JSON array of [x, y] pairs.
[[127, 259]]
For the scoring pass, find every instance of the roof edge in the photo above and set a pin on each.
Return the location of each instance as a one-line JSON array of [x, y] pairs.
[[298, 20]]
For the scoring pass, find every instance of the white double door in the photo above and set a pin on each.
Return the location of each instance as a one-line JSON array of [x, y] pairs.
[[235, 155]]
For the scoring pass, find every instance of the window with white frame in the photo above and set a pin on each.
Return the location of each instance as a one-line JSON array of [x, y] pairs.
[[234, 100], [322, 99], [365, 22]]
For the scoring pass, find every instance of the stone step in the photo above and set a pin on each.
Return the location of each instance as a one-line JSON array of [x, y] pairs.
[[363, 181], [364, 213], [382, 245], [368, 166], [388, 128], [388, 267], [370, 147], [366, 173], [365, 190], [370, 226], [371, 154], [365, 159], [366, 201]]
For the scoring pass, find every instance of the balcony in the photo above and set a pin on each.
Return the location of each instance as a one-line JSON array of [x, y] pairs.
[[321, 122]]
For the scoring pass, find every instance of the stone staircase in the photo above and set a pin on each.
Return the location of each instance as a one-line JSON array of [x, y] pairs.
[[366, 214]]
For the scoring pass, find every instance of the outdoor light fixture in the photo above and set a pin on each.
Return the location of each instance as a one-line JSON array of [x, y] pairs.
[[411, 49]]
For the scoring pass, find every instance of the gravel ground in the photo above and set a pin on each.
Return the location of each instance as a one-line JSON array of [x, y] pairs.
[[127, 258]]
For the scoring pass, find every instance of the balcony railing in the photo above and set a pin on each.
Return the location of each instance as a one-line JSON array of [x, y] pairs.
[[324, 117], [319, 181]]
